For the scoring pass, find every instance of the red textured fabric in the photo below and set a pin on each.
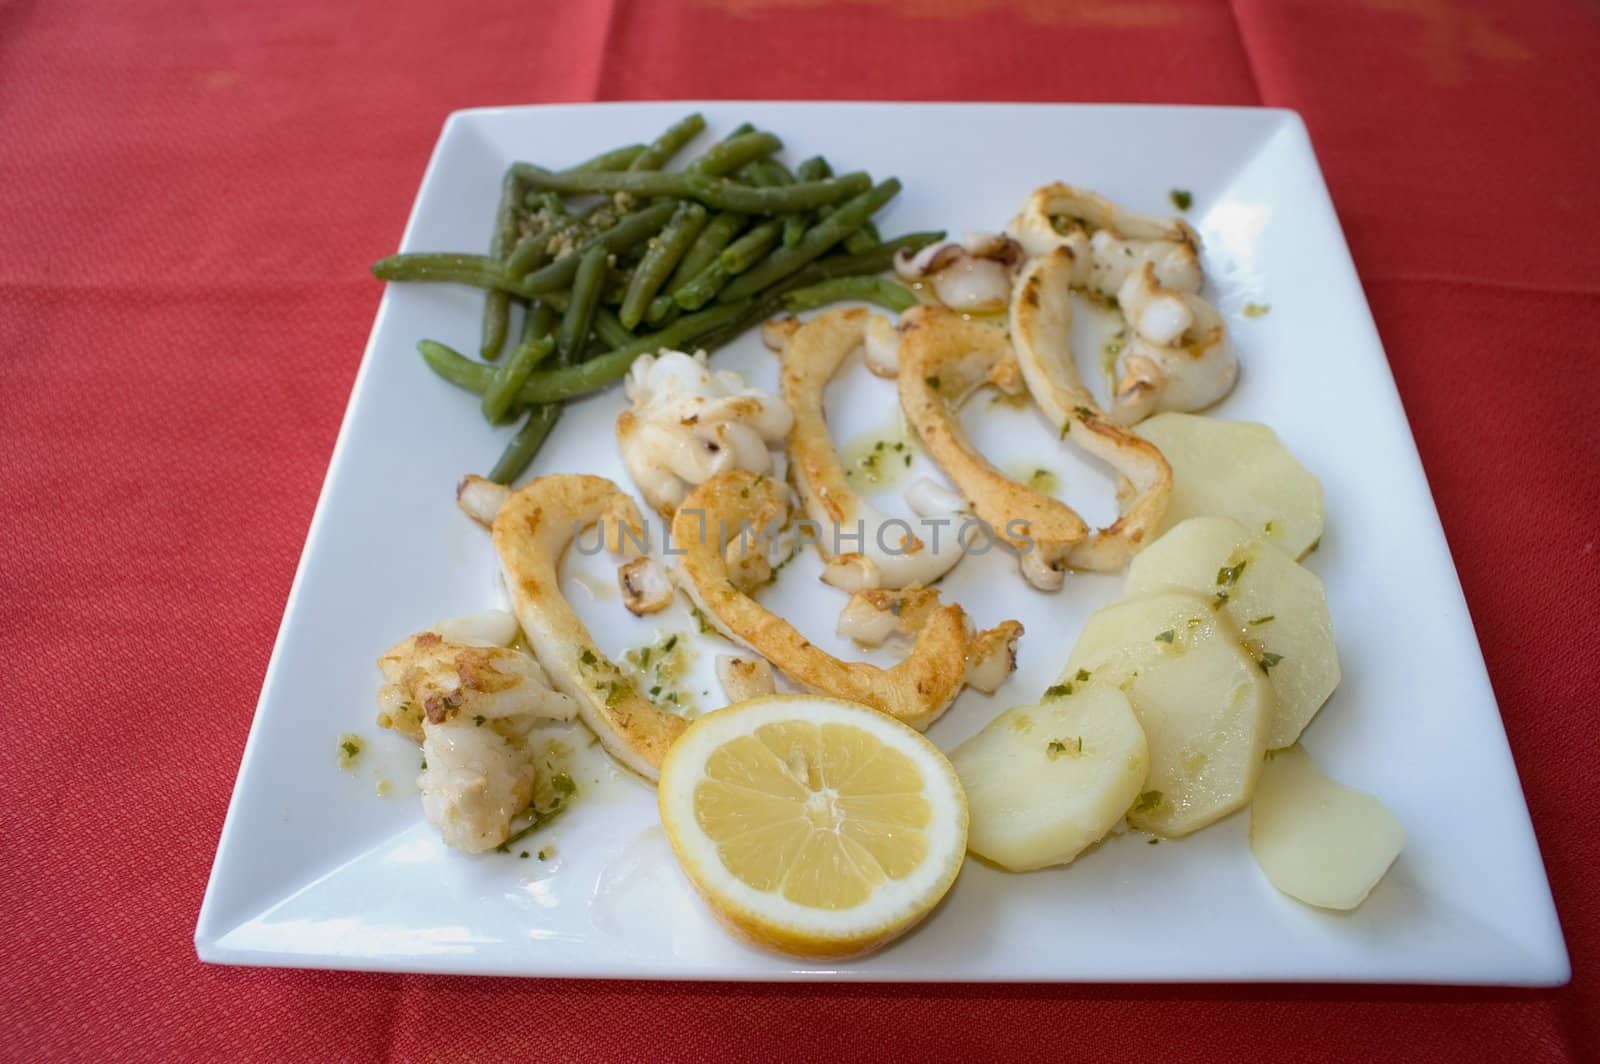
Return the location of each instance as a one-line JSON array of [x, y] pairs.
[[191, 195]]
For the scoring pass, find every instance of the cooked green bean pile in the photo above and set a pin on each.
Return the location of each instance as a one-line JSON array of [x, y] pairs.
[[618, 257]]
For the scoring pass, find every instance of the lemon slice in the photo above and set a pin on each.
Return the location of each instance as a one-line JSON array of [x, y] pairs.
[[813, 826]]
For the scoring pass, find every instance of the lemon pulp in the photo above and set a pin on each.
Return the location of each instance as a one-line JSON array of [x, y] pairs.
[[820, 813]]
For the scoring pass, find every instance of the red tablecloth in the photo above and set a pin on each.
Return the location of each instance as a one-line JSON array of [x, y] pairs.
[[190, 195]]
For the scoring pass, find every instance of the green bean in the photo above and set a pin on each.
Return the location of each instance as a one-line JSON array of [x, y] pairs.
[[770, 300], [813, 169], [614, 159], [864, 239], [513, 373], [616, 288], [729, 155], [745, 252], [777, 173], [519, 453], [661, 255], [602, 370], [638, 226], [531, 252], [571, 231], [553, 386], [545, 202], [770, 173], [609, 329], [818, 239], [586, 286], [497, 304], [540, 320], [891, 295], [756, 311], [661, 150], [703, 287], [717, 234], [877, 260], [478, 270], [713, 192], [662, 310]]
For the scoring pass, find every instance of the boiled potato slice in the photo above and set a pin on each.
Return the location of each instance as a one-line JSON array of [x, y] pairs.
[[1320, 841], [1241, 470], [1277, 608], [1203, 701], [1045, 782]]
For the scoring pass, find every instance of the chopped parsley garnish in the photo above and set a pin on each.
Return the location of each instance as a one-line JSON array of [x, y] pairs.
[[587, 657], [1263, 620], [1083, 676], [1181, 198], [1056, 747], [932, 382], [1165, 637], [1221, 599], [1269, 659], [349, 749], [1083, 412], [1151, 841], [706, 627], [670, 643], [523, 855], [1147, 802], [1228, 575], [1256, 310], [562, 784], [1314, 544], [1060, 690], [544, 855], [479, 719], [1267, 528]]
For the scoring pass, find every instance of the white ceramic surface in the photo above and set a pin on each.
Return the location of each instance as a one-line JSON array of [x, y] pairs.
[[315, 869]]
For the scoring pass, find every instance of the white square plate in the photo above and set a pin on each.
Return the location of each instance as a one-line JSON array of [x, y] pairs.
[[315, 869]]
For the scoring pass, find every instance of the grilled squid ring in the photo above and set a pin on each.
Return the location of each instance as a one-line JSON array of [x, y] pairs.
[[892, 553], [1107, 243], [917, 690], [1177, 355], [944, 358], [532, 527], [1041, 328]]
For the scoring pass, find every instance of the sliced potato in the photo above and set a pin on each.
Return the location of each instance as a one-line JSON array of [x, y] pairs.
[[1277, 609], [1241, 470], [1045, 782], [1320, 841], [1203, 701]]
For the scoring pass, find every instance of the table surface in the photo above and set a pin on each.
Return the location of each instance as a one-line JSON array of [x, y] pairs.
[[191, 199]]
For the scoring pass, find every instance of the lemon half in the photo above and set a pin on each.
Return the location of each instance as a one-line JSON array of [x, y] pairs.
[[813, 826]]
